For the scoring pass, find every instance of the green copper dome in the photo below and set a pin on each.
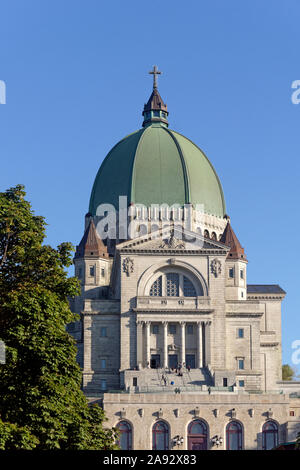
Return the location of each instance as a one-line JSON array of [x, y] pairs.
[[156, 165]]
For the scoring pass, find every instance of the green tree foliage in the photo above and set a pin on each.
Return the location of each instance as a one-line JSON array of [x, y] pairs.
[[41, 405], [288, 373]]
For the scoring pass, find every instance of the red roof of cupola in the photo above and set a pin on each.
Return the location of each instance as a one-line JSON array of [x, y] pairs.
[[229, 238], [91, 244]]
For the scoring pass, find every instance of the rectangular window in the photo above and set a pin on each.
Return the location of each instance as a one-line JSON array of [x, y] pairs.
[[103, 363], [225, 382], [240, 332], [241, 383], [103, 331], [292, 413], [155, 329], [103, 384], [190, 329], [134, 381], [231, 272], [172, 329], [241, 364], [102, 272], [92, 270], [242, 274]]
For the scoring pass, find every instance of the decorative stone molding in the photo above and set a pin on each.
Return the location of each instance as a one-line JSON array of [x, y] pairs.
[[123, 413], [141, 412], [251, 412], [233, 413], [172, 243], [216, 412], [216, 267], [128, 266], [197, 412], [270, 413], [177, 412], [160, 413]]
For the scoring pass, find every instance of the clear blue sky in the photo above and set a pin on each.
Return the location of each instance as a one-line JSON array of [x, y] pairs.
[[76, 77]]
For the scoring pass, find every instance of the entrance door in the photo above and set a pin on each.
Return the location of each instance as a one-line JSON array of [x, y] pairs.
[[155, 361], [173, 361], [190, 361], [197, 443]]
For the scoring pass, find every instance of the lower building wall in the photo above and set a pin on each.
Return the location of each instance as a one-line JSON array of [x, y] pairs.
[[251, 411]]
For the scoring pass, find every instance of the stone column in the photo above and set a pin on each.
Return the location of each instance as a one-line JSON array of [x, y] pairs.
[[87, 343], [199, 345], [147, 343], [139, 343], [165, 344], [207, 342], [182, 349]]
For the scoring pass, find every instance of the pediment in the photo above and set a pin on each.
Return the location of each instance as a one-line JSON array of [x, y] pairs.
[[167, 241]]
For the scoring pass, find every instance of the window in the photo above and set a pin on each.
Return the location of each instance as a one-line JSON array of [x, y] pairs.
[[125, 438], [190, 329], [134, 381], [102, 272], [156, 288], [241, 363], [160, 436], [270, 435], [242, 294], [231, 272], [92, 270], [225, 382], [292, 413], [103, 331], [155, 329], [103, 384], [240, 333], [214, 236], [241, 383], [156, 113], [234, 436], [188, 288], [242, 274], [103, 363], [172, 329], [172, 285]]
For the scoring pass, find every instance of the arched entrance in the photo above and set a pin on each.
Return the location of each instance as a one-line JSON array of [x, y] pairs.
[[197, 435]]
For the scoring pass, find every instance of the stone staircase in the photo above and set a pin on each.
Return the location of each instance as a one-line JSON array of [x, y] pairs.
[[151, 379]]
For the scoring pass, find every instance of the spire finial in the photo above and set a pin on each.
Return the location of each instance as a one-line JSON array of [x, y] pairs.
[[155, 72]]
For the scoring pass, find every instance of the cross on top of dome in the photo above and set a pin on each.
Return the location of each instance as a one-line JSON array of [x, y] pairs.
[[155, 72]]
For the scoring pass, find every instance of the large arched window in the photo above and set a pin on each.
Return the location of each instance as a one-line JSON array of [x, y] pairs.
[[270, 435], [174, 284], [125, 435], [160, 436], [234, 436], [197, 435]]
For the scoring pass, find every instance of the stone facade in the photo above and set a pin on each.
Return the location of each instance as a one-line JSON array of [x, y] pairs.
[[227, 340]]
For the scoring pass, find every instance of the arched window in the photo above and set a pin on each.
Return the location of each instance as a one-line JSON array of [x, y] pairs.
[[214, 236], [174, 285], [160, 436], [206, 233], [270, 435], [156, 290], [188, 288], [197, 435], [234, 436], [125, 437]]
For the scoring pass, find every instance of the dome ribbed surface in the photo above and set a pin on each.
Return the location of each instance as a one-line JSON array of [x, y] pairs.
[[156, 165]]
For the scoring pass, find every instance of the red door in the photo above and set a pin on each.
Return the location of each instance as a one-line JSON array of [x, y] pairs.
[[197, 435], [197, 443]]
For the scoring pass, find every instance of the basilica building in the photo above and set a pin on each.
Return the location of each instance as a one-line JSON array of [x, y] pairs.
[[177, 348]]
